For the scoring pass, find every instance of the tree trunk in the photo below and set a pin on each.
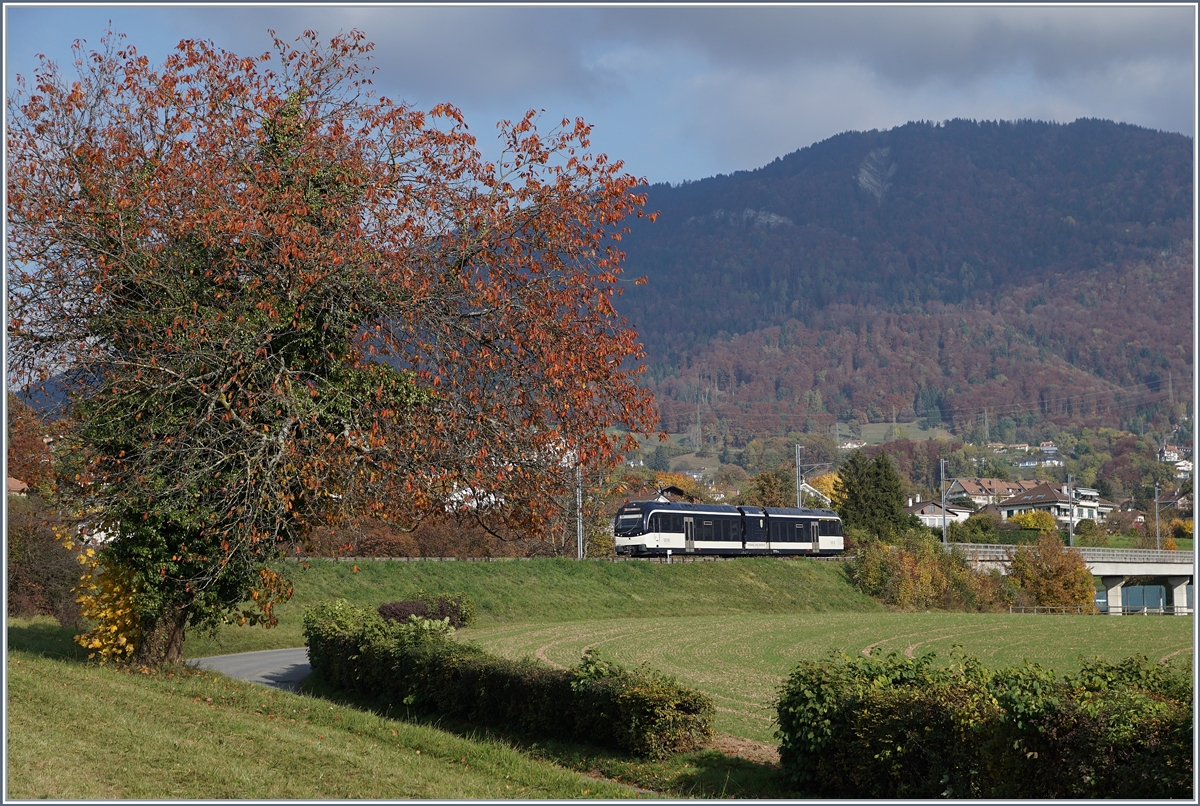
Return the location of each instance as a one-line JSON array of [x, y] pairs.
[[162, 638]]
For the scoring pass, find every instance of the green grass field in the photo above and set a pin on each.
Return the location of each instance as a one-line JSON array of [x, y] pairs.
[[732, 629], [549, 591], [878, 433], [77, 731], [740, 660]]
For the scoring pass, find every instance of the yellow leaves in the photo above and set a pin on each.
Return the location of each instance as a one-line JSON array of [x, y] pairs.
[[105, 597]]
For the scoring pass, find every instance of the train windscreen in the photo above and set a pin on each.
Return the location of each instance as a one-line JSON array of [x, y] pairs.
[[629, 524]]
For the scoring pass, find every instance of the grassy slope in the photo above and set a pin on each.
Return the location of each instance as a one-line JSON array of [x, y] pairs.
[[79, 731], [741, 660], [558, 591]]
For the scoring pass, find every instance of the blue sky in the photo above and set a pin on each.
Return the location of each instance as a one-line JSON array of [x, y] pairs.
[[685, 92]]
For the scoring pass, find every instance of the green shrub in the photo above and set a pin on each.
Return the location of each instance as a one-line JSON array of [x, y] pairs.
[[415, 663], [897, 727]]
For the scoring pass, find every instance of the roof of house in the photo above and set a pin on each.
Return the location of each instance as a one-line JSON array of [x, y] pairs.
[[994, 487], [1046, 493], [17, 486], [1042, 494], [932, 508]]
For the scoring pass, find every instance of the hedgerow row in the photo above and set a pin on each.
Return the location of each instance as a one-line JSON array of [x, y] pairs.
[[414, 663], [898, 727]]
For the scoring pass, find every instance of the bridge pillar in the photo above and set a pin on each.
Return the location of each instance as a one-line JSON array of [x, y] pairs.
[[1113, 586], [1178, 587]]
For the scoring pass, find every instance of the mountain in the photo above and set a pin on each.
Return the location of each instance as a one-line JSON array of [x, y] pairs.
[[965, 273]]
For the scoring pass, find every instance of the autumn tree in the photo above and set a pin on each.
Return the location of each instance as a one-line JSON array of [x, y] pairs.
[[29, 457], [1038, 519], [277, 301], [1051, 573], [775, 488]]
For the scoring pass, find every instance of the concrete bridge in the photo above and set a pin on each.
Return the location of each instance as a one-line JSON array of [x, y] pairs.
[[1113, 566]]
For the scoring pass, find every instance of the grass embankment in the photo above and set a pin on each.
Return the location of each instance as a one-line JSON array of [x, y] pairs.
[[76, 731], [740, 660], [555, 591]]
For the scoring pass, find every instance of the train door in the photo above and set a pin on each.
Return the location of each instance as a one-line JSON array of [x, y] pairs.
[[689, 534], [814, 531]]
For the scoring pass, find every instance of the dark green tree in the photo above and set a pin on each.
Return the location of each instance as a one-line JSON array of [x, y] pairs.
[[660, 459], [869, 494]]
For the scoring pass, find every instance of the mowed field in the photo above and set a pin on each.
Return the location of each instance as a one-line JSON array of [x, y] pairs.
[[740, 660], [733, 629]]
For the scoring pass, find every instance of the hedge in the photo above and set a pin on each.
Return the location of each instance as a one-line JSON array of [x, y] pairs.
[[415, 663], [898, 727]]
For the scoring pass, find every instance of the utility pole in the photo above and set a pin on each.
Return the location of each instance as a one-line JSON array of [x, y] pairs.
[[799, 479], [986, 436], [579, 510], [1157, 538], [1071, 506], [942, 465]]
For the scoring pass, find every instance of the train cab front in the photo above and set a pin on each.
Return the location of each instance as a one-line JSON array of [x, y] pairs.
[[629, 531]]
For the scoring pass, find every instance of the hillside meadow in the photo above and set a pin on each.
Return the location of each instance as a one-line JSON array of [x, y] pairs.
[[81, 731], [741, 660], [732, 629], [555, 590]]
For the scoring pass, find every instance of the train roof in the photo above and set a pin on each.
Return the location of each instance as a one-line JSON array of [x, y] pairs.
[[798, 511], [680, 506]]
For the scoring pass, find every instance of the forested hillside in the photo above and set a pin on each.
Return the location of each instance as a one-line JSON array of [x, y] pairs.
[[1040, 271]]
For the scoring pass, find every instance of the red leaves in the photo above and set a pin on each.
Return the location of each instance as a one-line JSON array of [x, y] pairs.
[[269, 209]]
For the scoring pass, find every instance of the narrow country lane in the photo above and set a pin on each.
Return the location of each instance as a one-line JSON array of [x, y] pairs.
[[279, 668]]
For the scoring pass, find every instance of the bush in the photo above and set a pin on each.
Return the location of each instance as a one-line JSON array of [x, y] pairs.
[[456, 607], [919, 574], [42, 572], [1052, 574], [414, 663], [888, 727]]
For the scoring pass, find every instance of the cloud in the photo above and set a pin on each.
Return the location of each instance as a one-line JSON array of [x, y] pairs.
[[684, 92]]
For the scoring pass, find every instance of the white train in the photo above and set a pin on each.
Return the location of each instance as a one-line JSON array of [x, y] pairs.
[[651, 528]]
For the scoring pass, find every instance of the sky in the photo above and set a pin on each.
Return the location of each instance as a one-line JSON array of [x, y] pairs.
[[684, 92]]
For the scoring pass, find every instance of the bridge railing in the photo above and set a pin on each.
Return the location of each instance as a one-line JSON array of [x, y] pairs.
[[990, 552], [1100, 610]]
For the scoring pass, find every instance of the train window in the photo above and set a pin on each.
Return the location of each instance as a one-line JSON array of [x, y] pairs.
[[655, 522], [831, 528], [707, 532], [676, 524]]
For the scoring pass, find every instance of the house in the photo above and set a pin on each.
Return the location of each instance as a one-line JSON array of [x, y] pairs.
[[1174, 499], [1183, 469], [997, 447], [1048, 447], [1052, 461], [852, 444], [930, 512], [1046, 497], [1023, 447], [1027, 464], [987, 491], [811, 495], [17, 487], [1169, 453]]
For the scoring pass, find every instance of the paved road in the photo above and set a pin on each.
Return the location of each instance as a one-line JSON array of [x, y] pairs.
[[279, 668]]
